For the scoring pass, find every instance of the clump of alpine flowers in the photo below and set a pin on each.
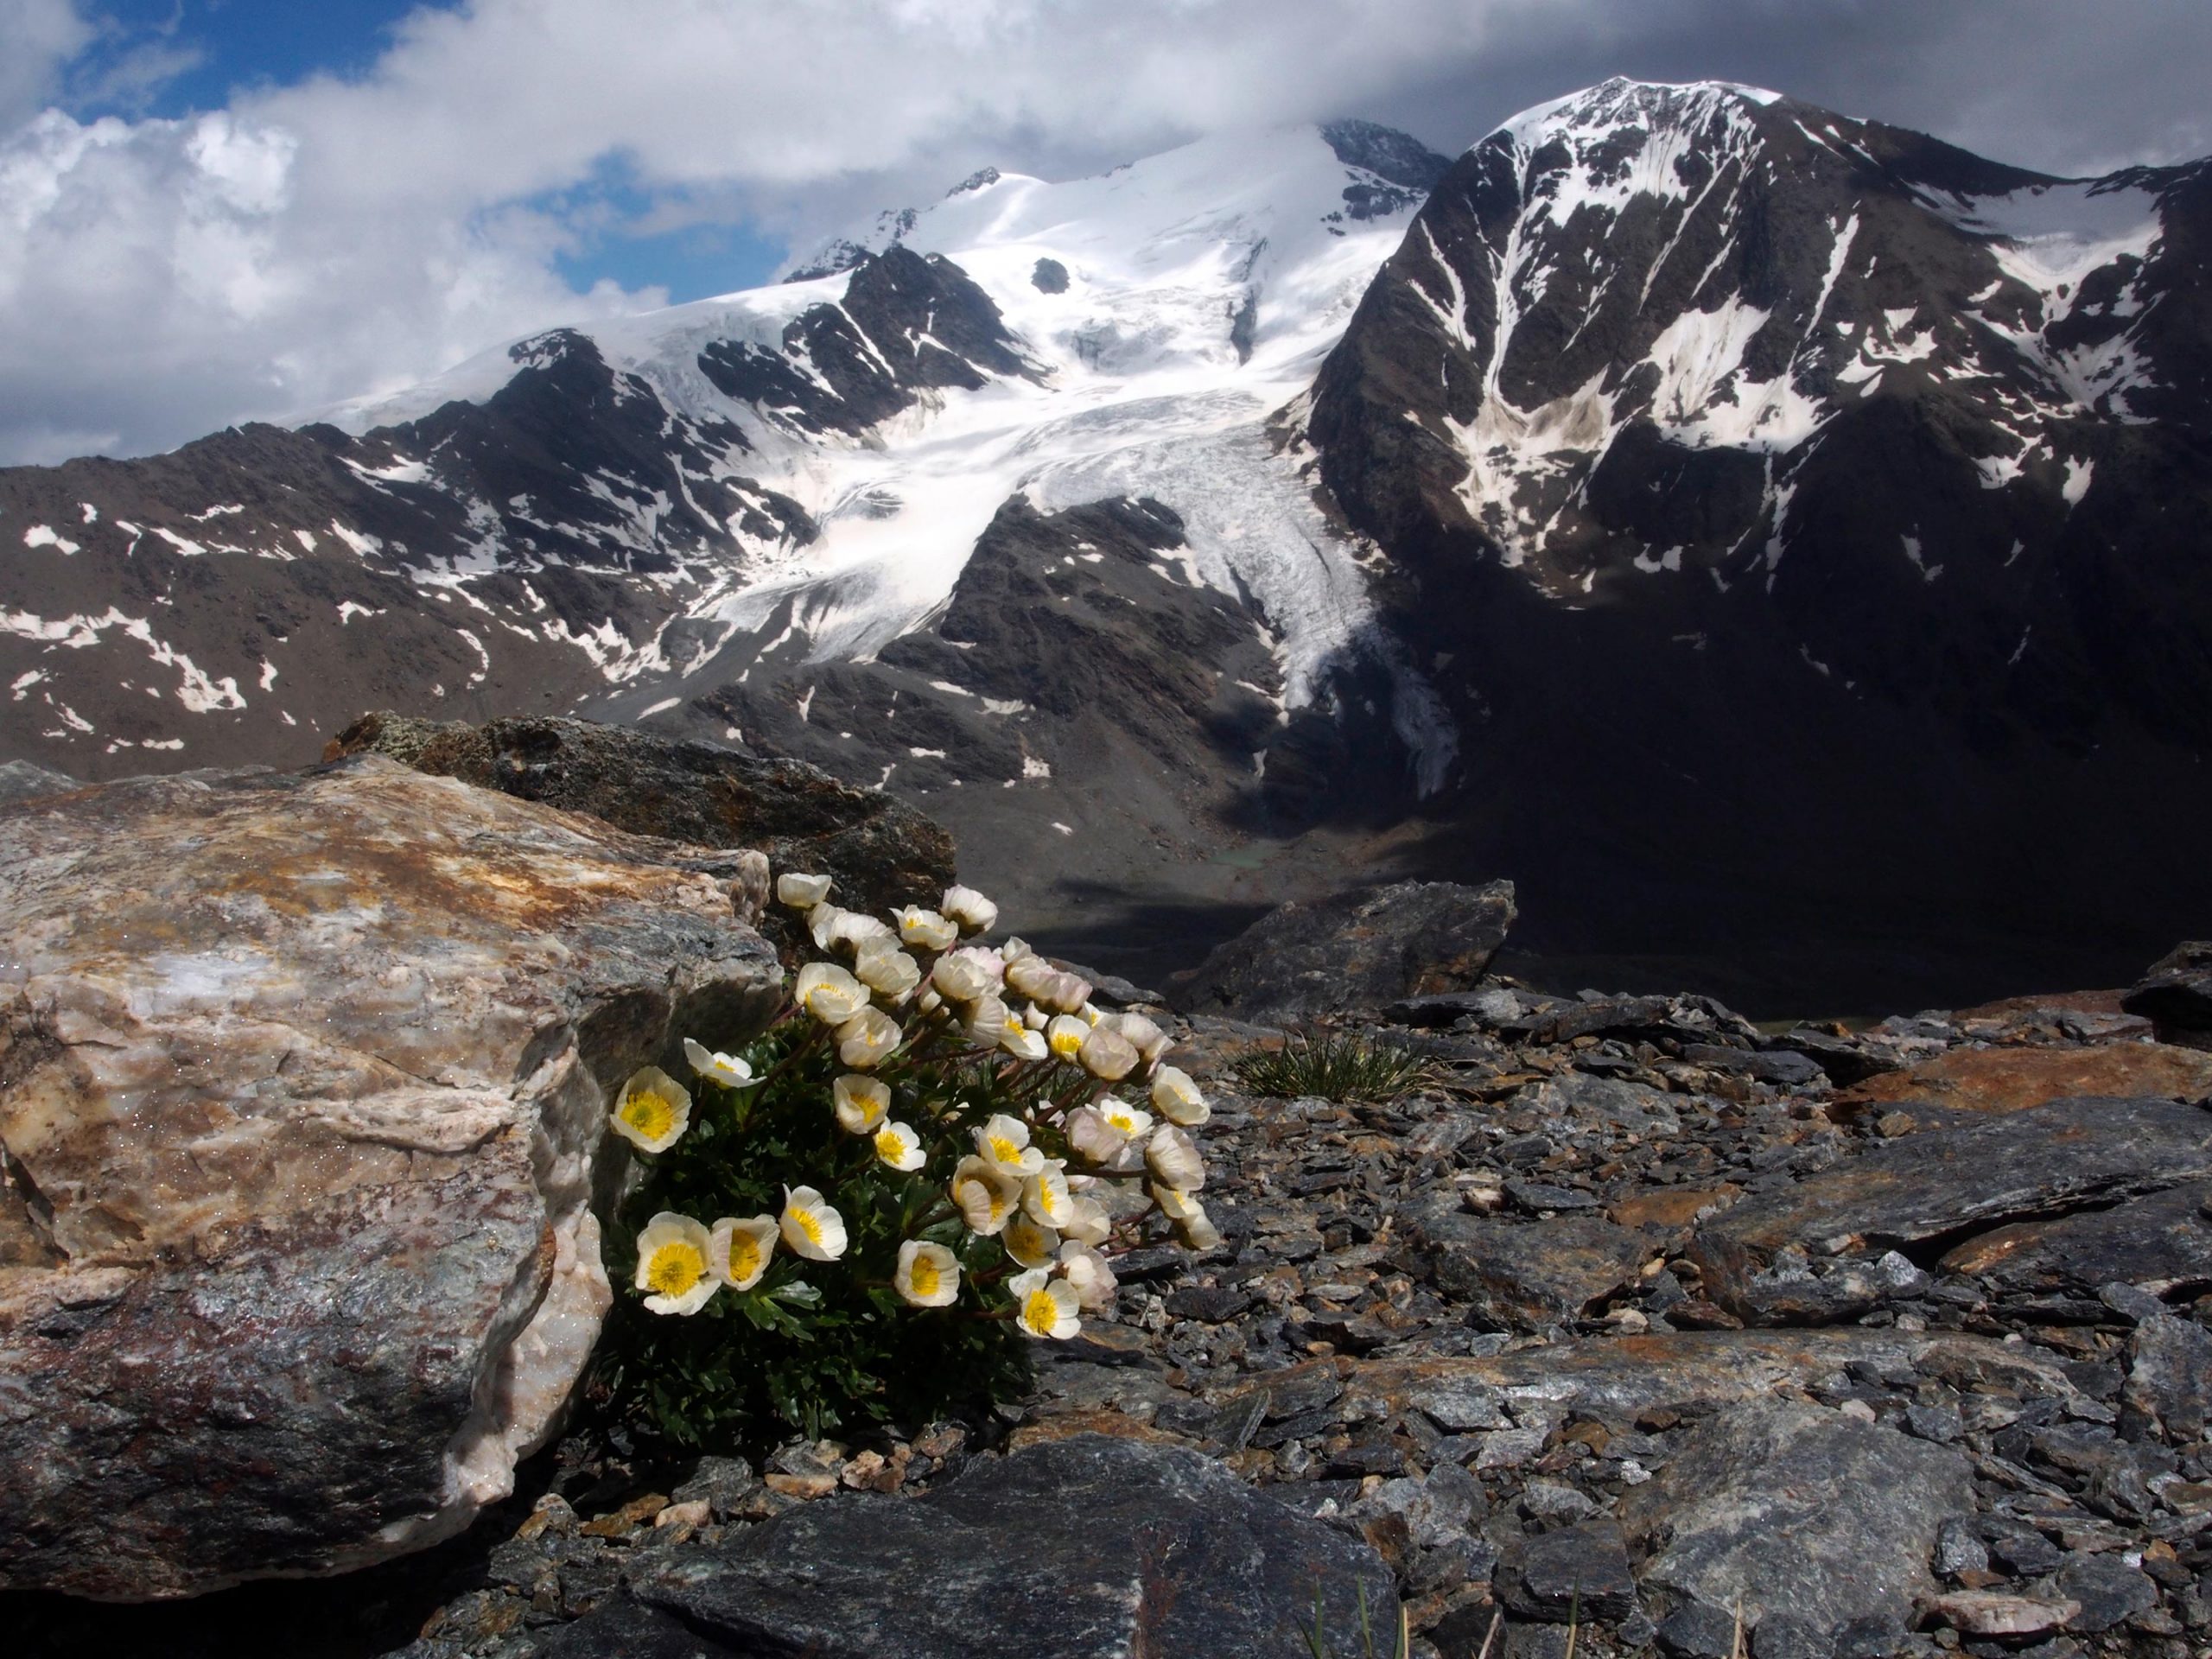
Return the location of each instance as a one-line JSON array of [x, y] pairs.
[[926, 1164]]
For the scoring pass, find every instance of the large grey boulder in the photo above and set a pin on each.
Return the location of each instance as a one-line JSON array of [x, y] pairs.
[[1083, 1548], [1792, 1509], [1367, 949], [303, 1102], [882, 851]]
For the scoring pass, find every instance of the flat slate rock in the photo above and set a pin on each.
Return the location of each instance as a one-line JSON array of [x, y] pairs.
[[2047, 1161], [1523, 1274], [1081, 1548], [1580, 1571], [2157, 1244], [1800, 1511], [2170, 1376], [2011, 1079]]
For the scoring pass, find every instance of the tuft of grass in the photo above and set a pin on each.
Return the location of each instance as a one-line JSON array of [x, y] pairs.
[[1317, 1641], [1338, 1068]]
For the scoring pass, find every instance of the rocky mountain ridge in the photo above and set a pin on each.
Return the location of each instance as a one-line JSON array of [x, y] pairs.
[[1743, 524]]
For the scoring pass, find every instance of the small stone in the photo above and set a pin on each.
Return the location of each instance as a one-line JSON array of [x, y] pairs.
[[1941, 1424], [2131, 1302], [1554, 1574], [2109, 1589], [696, 1513], [803, 1487], [1549, 1501], [2023, 1551], [1960, 1548], [1510, 1448], [722, 1482], [1460, 1404], [550, 1514], [2170, 1378], [1536, 1197], [621, 1522], [1368, 1457], [1982, 1612]]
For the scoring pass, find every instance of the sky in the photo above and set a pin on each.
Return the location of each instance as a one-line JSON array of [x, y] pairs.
[[213, 210]]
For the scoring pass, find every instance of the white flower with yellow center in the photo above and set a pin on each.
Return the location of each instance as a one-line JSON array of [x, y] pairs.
[[1064, 993], [1106, 1054], [828, 993], [924, 928], [811, 1227], [832, 927], [885, 969], [859, 1102], [1064, 1037], [1043, 1305], [674, 1258], [959, 975], [1089, 1223], [972, 911], [1172, 1158], [1088, 1275], [1130, 1120], [1177, 1098], [1046, 1196], [899, 1148], [801, 892], [652, 1111], [928, 1275], [1198, 1233], [1029, 1242], [1028, 976], [1143, 1035], [986, 1018], [1018, 1041], [739, 1250], [726, 1068], [1092, 1135], [1176, 1206], [1005, 1142], [868, 1039], [989, 1196]]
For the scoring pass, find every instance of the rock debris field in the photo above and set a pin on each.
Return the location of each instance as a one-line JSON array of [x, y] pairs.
[[1636, 1323], [1629, 1328]]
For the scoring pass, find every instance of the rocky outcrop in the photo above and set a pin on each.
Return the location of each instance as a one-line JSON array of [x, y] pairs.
[[1085, 1548], [1468, 1328], [2176, 995], [881, 851], [1365, 948], [301, 1116]]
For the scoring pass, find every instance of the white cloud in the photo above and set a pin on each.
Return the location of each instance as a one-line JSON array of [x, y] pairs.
[[159, 278], [37, 40]]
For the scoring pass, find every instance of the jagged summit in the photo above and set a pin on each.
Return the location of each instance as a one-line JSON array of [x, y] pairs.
[[1715, 512]]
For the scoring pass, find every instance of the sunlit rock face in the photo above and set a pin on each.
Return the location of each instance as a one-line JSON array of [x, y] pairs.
[[302, 1104]]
